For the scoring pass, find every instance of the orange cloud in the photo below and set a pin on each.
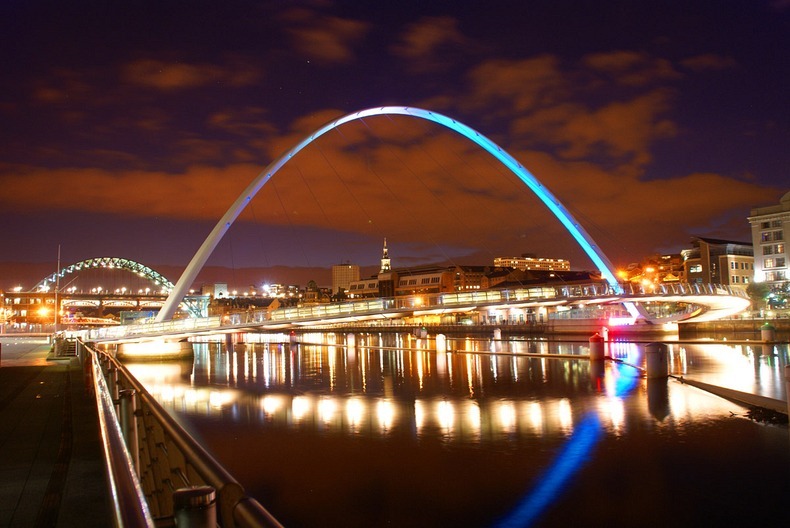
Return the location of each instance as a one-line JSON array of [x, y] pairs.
[[427, 42], [631, 68], [327, 39], [709, 62], [416, 182], [200, 192], [517, 85], [623, 130], [174, 75]]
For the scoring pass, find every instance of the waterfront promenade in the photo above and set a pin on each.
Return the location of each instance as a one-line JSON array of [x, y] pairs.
[[51, 467]]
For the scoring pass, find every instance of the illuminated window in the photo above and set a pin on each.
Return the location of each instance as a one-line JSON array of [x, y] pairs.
[[696, 268], [768, 263]]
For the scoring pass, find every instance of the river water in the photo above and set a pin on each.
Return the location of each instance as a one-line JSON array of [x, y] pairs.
[[390, 430]]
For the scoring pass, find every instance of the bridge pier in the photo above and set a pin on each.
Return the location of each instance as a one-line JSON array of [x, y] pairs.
[[656, 360], [768, 333], [596, 348]]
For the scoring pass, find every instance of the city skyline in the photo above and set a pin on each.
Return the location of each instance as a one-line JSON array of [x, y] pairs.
[[130, 131]]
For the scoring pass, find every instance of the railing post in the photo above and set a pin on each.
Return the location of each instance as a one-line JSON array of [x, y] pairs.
[[112, 382], [195, 507], [128, 419]]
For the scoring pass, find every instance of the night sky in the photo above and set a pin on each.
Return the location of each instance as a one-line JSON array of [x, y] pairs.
[[128, 128]]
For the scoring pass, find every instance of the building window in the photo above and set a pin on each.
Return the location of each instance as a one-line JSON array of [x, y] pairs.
[[735, 279], [746, 280], [776, 223], [780, 262], [765, 237], [765, 225], [768, 263], [733, 265], [779, 249], [696, 268], [778, 235], [768, 250]]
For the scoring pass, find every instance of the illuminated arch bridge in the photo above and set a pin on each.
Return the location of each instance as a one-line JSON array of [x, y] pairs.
[[562, 214], [141, 270]]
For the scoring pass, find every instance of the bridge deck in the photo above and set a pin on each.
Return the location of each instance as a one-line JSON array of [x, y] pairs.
[[51, 464]]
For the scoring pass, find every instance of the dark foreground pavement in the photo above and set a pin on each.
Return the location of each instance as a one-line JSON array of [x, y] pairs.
[[51, 462]]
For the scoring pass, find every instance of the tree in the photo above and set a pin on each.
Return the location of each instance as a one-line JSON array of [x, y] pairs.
[[758, 293]]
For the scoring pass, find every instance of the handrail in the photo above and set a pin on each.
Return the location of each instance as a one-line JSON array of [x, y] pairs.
[[174, 447], [361, 307], [129, 505]]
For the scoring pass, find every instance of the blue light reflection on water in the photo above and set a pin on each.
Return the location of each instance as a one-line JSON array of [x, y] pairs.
[[522, 428], [572, 457], [574, 454]]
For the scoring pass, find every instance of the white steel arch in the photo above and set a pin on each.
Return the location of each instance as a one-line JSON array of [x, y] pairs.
[[581, 236]]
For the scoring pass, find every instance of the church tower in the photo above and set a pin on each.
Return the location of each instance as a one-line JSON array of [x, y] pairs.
[[386, 277], [385, 259]]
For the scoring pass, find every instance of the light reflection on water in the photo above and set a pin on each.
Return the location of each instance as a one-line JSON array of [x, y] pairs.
[[399, 396]]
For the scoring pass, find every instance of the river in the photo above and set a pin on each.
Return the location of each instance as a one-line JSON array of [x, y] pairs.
[[369, 430]]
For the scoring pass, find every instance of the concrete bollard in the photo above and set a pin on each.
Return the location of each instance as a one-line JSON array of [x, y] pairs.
[[596, 348], [656, 360], [195, 507], [441, 343], [768, 333]]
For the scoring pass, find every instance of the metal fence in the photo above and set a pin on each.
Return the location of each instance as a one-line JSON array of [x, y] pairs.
[[150, 459], [416, 304]]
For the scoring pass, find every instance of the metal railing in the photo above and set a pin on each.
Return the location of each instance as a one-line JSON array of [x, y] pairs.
[[149, 457], [416, 304]]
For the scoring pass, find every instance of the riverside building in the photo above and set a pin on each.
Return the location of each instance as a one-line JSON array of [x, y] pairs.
[[343, 275], [770, 230], [715, 261], [531, 262]]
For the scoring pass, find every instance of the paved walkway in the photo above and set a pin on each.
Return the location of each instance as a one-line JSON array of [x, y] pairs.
[[51, 462]]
